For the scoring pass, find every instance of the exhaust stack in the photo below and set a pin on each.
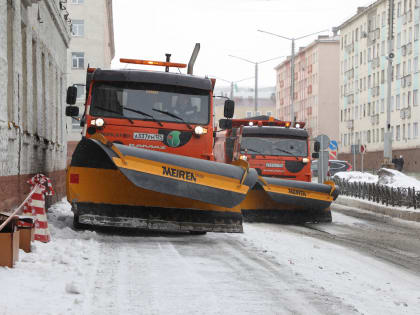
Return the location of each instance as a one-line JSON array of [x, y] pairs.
[[193, 58]]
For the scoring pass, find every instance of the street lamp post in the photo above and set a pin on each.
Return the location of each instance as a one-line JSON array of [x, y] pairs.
[[256, 63], [232, 83], [292, 67]]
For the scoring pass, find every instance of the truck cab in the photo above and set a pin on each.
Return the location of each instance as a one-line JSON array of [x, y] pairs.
[[161, 111], [273, 147]]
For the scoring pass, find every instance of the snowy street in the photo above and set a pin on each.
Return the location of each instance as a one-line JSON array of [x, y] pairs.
[[363, 265]]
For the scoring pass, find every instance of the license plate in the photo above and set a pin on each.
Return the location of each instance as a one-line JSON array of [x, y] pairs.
[[274, 165]]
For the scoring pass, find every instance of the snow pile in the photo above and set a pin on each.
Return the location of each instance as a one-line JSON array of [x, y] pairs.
[[357, 177], [388, 177], [50, 279]]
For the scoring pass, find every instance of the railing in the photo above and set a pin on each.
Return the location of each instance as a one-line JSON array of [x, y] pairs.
[[402, 197]]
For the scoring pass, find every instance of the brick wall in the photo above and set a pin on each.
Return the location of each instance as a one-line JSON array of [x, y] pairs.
[[374, 160]]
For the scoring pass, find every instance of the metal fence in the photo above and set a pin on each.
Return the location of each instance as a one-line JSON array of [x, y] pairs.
[[403, 197]]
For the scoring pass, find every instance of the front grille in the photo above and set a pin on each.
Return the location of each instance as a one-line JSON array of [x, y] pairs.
[[294, 166]]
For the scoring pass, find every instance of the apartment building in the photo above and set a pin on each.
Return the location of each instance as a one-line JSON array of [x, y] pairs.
[[316, 88], [363, 83], [92, 44], [34, 37]]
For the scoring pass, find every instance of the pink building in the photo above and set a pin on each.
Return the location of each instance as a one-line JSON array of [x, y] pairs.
[[316, 88]]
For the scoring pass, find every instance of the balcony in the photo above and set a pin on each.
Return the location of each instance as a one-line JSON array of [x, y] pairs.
[[350, 48], [375, 91], [404, 50], [405, 113], [376, 62], [406, 80], [374, 119]]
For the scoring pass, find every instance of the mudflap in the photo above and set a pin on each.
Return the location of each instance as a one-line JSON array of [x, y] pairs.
[[288, 202]]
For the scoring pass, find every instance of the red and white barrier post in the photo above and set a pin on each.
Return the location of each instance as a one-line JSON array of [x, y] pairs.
[[36, 206]]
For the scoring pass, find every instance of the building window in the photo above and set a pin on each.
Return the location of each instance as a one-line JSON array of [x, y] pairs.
[[398, 133], [258, 114], [397, 101], [78, 60], [415, 130], [416, 32], [268, 113], [408, 131], [77, 1], [382, 134], [415, 98], [78, 28], [75, 123], [80, 90], [382, 105], [248, 114]]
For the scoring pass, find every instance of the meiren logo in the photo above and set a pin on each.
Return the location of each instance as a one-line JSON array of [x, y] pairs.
[[173, 138], [173, 172], [297, 192]]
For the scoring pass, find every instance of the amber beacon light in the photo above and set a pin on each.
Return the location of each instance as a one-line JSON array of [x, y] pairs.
[[153, 63]]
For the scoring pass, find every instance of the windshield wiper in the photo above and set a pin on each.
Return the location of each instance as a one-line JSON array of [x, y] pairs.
[[143, 113], [172, 115], [111, 111], [255, 151], [288, 152]]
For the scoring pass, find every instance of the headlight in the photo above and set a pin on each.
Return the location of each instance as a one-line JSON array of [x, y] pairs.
[[251, 123], [305, 160], [243, 157], [99, 122], [200, 130], [298, 126]]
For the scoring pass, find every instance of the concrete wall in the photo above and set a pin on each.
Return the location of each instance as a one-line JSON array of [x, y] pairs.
[[33, 63]]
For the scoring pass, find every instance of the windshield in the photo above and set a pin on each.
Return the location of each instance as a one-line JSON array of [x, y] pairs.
[[139, 101], [278, 146]]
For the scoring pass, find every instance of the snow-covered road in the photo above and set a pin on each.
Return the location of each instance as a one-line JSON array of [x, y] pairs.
[[270, 269]]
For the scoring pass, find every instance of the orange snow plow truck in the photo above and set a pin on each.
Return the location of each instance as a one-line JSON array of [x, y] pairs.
[[280, 153], [146, 155]]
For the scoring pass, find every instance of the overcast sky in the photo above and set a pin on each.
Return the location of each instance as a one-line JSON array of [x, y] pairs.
[[148, 29]]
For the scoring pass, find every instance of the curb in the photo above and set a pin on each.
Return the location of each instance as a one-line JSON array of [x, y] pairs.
[[400, 213]]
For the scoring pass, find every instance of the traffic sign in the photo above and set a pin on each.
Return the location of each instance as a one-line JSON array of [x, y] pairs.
[[362, 148], [333, 145]]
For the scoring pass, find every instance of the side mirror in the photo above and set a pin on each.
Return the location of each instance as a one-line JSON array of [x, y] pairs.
[[317, 146], [315, 155], [71, 95], [72, 111], [225, 124], [229, 109]]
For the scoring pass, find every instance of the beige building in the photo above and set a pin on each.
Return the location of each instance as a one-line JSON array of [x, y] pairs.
[[92, 44], [363, 82], [34, 37], [316, 89], [244, 102]]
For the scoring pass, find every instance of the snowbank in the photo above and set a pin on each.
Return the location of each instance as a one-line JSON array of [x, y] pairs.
[[388, 177]]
